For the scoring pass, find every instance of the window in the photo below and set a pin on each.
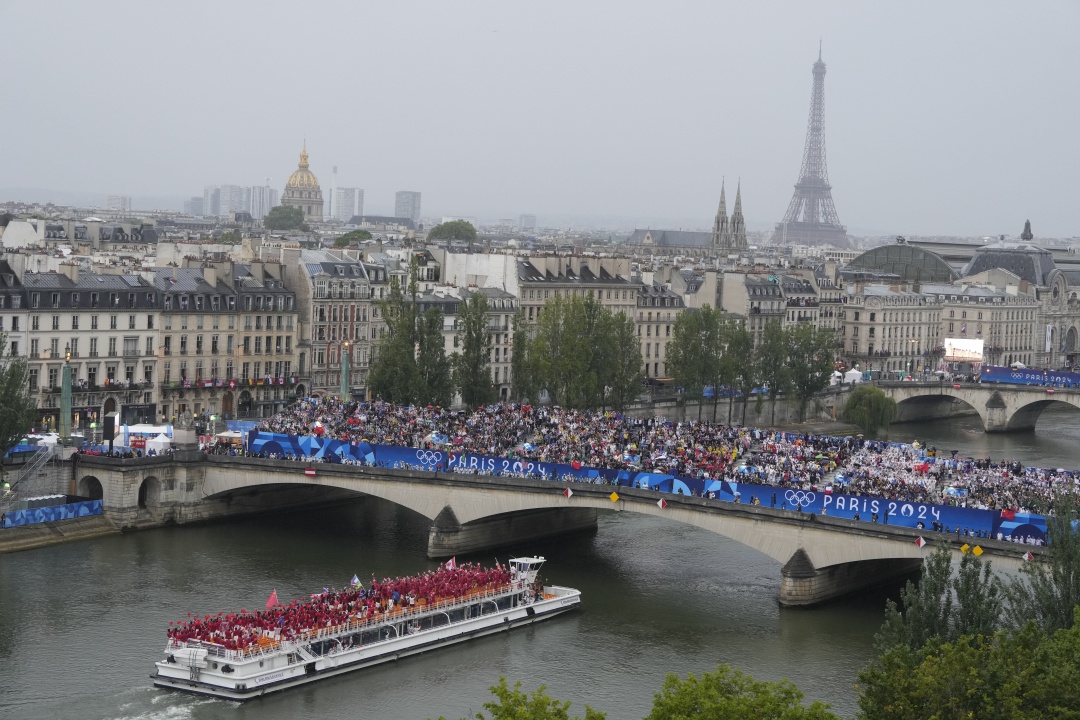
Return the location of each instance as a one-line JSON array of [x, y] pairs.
[[112, 322], [149, 322], [55, 322], [74, 322], [93, 347], [131, 347], [112, 347], [131, 322]]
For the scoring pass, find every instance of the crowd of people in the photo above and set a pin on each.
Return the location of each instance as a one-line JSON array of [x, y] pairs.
[[696, 449], [246, 631]]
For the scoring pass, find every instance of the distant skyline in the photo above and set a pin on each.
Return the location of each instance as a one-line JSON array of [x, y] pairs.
[[943, 119]]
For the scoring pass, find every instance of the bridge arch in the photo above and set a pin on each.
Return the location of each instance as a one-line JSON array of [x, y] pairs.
[[90, 487], [934, 406], [1027, 416], [149, 493]]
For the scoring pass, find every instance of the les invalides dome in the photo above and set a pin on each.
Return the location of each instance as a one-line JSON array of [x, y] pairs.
[[303, 191]]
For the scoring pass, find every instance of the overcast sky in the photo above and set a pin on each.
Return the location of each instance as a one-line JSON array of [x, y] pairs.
[[941, 117]]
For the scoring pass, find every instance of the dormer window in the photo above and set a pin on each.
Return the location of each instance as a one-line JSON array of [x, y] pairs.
[[168, 302], [74, 299], [183, 302]]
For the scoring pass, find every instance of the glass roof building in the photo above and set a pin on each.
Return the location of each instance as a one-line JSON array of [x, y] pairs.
[[907, 262]]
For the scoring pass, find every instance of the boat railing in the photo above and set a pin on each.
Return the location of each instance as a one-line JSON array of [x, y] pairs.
[[272, 644]]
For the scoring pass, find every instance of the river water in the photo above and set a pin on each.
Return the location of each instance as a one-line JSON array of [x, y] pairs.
[[81, 624]]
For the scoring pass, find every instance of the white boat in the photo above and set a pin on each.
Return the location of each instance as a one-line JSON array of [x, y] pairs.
[[276, 663]]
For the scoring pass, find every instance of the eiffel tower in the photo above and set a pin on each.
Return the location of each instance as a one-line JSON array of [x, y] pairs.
[[811, 217]]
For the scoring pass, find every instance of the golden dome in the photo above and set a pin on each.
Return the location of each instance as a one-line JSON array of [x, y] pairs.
[[302, 178]]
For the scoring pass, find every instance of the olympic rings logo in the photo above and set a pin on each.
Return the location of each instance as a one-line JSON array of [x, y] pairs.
[[799, 497], [429, 457]]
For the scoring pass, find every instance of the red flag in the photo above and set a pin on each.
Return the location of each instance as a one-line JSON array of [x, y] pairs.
[[273, 600], [576, 465], [1028, 557], [310, 472], [568, 492], [451, 563], [1008, 514], [662, 503], [920, 542]]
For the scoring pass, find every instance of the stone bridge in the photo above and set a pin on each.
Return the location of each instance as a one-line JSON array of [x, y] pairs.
[[1002, 408], [822, 557]]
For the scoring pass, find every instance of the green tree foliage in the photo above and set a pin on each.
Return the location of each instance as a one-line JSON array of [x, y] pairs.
[[582, 354], [1049, 587], [453, 230], [943, 608], [284, 217], [771, 361], [352, 238], [1022, 674], [745, 373], [472, 366], [523, 373], [869, 408], [686, 354], [810, 362], [435, 371], [728, 694], [18, 404], [410, 365], [232, 237], [626, 371], [513, 703]]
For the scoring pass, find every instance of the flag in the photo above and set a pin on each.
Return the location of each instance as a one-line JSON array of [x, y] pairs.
[[273, 600], [355, 582], [310, 472], [662, 503], [1008, 514], [451, 563], [1028, 557], [576, 465], [920, 542], [568, 492]]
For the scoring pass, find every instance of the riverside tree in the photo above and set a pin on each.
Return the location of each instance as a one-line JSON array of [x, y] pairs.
[[810, 362], [410, 365], [19, 406], [869, 408], [1049, 587], [352, 238], [686, 359], [770, 358], [524, 378], [472, 365]]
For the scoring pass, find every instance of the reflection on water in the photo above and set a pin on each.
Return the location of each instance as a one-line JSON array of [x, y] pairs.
[[1053, 443]]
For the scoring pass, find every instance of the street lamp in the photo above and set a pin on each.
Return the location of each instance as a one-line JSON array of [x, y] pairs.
[[65, 398], [344, 389]]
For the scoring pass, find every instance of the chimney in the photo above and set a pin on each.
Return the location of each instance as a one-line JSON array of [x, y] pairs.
[[210, 275], [70, 270]]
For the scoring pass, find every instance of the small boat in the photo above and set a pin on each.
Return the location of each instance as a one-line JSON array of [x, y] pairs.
[[245, 655]]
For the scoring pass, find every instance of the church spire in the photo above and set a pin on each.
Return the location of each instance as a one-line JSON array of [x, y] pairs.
[[738, 224], [721, 232], [303, 156]]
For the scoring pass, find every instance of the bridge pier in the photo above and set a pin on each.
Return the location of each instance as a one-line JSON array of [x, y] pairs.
[[803, 585], [448, 537]]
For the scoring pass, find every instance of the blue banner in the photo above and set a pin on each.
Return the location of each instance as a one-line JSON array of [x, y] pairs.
[[948, 518], [18, 518]]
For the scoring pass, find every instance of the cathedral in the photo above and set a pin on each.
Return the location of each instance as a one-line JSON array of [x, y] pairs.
[[728, 235], [303, 191]]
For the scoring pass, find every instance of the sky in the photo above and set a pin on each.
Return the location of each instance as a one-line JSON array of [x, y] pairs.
[[950, 118]]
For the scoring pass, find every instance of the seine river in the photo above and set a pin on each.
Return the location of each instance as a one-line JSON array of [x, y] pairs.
[[81, 624]]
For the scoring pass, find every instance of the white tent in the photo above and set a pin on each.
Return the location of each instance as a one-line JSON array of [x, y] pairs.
[[159, 444], [853, 376], [837, 378]]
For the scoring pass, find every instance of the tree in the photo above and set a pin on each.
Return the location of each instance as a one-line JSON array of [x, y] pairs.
[[771, 360], [352, 238], [231, 237], [869, 408], [394, 374], [745, 373], [515, 704], [524, 377], [1022, 674], [1049, 587], [686, 358], [728, 694], [453, 230], [284, 217], [434, 370], [472, 366], [810, 361], [19, 406], [626, 376]]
